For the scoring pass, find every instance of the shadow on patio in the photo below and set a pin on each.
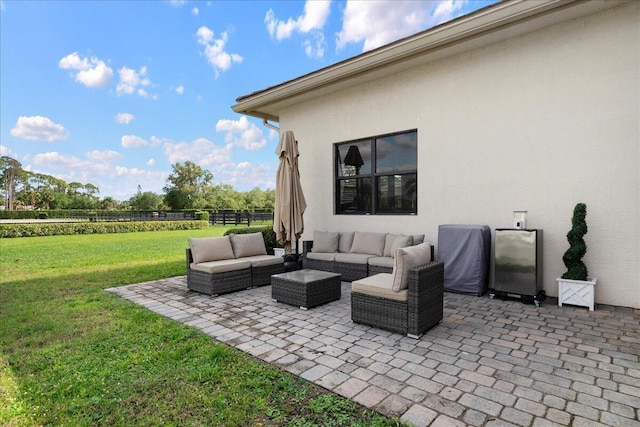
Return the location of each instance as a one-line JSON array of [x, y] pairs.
[[490, 362]]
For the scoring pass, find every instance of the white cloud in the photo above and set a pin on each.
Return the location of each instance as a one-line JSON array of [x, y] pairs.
[[155, 141], [124, 118], [447, 10], [315, 50], [200, 151], [131, 80], [214, 50], [4, 151], [70, 164], [133, 141], [314, 17], [38, 127], [242, 133], [90, 72], [246, 174], [103, 156], [124, 171], [180, 90], [310, 22], [151, 162], [380, 22], [195, 11], [205, 35]]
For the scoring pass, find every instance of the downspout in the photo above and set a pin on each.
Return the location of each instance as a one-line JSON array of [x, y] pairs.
[[269, 125]]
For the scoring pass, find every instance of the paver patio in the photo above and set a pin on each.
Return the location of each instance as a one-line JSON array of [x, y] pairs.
[[489, 363]]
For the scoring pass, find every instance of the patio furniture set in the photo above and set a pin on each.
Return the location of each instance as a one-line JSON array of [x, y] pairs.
[[396, 285]]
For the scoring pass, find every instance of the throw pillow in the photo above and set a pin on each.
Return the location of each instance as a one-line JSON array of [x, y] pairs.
[[346, 240], [325, 241], [205, 249], [417, 239], [388, 242], [251, 244], [405, 258], [401, 241], [368, 243]]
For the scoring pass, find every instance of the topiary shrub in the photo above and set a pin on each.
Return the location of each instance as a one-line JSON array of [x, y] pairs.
[[43, 215], [576, 269]]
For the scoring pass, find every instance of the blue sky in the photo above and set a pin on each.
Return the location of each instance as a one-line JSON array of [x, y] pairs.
[[113, 93]]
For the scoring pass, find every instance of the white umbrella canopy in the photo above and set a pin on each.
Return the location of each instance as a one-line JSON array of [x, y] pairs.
[[290, 204]]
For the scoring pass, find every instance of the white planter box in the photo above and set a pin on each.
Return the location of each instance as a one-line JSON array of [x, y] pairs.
[[577, 292]]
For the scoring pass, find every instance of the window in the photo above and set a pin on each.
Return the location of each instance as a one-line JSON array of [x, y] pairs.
[[377, 175]]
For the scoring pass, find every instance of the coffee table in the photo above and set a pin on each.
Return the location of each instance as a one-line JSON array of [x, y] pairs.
[[306, 288]]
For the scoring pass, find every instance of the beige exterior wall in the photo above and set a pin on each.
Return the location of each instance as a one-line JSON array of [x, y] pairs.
[[538, 122]]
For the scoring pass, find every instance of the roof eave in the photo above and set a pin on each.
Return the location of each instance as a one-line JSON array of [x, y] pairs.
[[264, 104]]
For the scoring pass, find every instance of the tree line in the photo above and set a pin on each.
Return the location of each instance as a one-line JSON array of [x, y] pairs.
[[187, 187]]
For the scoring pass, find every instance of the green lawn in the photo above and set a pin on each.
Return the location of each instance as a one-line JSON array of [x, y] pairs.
[[72, 354]]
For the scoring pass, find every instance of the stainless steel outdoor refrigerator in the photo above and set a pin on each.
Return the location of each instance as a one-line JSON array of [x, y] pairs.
[[518, 265]]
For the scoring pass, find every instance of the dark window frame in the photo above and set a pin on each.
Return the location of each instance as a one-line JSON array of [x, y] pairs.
[[370, 180]]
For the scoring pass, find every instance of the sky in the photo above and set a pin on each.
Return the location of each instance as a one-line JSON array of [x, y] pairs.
[[113, 93]]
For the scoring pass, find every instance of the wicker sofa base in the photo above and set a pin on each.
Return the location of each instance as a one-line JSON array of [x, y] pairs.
[[317, 264], [423, 309], [218, 283], [379, 312], [350, 271], [261, 276]]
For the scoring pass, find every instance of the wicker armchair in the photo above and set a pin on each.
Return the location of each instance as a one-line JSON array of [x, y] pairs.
[[422, 309]]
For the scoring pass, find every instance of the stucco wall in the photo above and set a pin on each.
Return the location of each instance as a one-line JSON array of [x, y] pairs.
[[538, 122]]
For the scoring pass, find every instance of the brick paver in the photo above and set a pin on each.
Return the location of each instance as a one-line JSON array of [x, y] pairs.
[[490, 362]]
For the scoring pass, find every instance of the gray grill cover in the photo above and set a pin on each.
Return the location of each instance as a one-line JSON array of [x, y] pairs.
[[465, 251]]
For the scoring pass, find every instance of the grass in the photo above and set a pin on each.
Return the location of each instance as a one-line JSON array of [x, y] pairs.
[[73, 354]]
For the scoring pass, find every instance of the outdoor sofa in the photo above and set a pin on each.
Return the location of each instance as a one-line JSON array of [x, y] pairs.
[[217, 265], [409, 300], [356, 254]]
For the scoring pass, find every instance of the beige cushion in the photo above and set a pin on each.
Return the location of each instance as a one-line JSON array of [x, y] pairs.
[[263, 260], [353, 258], [322, 256], [401, 241], [368, 243], [325, 241], [388, 242], [205, 249], [405, 259], [224, 266], [248, 244], [346, 240], [379, 285], [381, 261], [417, 239]]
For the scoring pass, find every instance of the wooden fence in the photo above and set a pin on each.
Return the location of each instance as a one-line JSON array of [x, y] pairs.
[[239, 218]]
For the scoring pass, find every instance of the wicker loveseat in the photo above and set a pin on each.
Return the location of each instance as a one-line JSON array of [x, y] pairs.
[[409, 300], [356, 254], [217, 265]]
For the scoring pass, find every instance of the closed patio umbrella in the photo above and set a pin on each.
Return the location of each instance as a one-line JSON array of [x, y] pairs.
[[290, 203]]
